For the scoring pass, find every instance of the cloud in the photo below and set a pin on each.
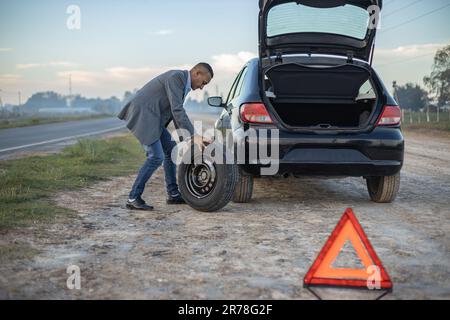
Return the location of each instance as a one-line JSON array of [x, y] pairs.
[[9, 82], [124, 73], [52, 64], [109, 81], [81, 77], [409, 51], [403, 64], [28, 65], [9, 77], [6, 49], [162, 32], [231, 63], [62, 64], [129, 77]]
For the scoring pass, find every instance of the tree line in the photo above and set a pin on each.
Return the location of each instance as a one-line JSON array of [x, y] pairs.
[[436, 93]]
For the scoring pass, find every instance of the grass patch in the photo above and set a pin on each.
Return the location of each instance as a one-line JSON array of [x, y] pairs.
[[16, 123], [418, 121], [441, 126], [28, 185]]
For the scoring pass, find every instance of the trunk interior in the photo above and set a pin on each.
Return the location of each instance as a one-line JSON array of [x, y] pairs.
[[325, 115], [321, 97]]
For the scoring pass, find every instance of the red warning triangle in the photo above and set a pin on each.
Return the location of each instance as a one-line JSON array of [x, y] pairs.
[[322, 272]]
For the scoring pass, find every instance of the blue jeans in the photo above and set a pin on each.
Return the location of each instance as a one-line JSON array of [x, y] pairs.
[[158, 153]]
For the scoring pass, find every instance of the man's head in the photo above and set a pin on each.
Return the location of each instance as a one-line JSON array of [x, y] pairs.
[[201, 75]]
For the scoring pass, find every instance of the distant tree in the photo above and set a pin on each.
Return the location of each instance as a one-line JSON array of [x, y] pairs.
[[111, 106], [128, 95], [54, 100], [47, 99], [439, 80], [411, 96]]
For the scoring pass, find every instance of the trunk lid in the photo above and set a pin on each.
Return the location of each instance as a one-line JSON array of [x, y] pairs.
[[337, 27]]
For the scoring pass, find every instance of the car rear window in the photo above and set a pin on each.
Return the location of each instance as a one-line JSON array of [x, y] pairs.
[[347, 20]]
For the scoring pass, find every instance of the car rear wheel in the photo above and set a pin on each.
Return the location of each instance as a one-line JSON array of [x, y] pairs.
[[244, 188], [207, 186], [383, 189]]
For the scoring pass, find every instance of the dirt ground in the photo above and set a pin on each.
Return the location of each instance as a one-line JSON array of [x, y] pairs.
[[260, 250]]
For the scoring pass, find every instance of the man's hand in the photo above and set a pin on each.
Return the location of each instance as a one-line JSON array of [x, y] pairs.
[[200, 141]]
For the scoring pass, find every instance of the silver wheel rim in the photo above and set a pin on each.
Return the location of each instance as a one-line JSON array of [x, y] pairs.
[[201, 179]]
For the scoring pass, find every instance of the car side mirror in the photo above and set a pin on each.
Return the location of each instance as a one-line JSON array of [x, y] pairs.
[[216, 102]]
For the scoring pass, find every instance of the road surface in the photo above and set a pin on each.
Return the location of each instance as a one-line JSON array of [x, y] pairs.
[[23, 141], [51, 138]]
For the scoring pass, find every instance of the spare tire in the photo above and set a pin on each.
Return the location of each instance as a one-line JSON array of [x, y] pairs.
[[205, 185]]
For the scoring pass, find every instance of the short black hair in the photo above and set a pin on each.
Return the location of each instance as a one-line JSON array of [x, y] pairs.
[[205, 66]]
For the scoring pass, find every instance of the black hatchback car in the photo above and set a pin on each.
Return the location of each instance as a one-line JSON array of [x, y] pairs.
[[314, 82]]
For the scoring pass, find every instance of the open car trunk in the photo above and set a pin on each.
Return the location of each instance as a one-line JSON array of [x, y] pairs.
[[338, 97], [336, 27]]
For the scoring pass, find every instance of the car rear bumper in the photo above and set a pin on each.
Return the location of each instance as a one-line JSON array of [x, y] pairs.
[[335, 170], [376, 153]]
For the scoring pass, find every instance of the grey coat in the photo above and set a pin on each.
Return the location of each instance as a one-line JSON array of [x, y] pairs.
[[154, 106]]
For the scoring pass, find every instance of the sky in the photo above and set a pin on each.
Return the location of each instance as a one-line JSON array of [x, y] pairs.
[[121, 45]]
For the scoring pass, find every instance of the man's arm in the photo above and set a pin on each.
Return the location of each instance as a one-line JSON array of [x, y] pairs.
[[175, 91]]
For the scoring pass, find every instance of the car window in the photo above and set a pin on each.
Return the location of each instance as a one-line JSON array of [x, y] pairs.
[[241, 82], [233, 88], [347, 20], [366, 91]]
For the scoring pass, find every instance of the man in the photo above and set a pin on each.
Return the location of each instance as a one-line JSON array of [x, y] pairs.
[[149, 113]]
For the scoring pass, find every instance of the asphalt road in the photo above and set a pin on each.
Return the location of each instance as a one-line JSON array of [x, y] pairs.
[[53, 137]]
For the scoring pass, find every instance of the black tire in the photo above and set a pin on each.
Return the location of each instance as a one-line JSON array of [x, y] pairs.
[[211, 193], [244, 188], [383, 189]]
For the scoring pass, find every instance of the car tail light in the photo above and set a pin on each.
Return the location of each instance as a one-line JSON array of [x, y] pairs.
[[255, 113], [392, 115]]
